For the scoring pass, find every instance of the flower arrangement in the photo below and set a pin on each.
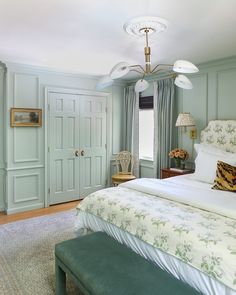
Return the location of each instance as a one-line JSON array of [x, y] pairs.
[[179, 155]]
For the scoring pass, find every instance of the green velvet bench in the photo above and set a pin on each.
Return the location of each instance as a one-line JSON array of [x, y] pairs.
[[99, 265]]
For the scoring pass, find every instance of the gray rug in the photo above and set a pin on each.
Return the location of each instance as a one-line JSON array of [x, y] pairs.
[[27, 253]]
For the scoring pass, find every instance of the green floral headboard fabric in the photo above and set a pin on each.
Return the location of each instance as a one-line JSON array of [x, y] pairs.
[[220, 133]]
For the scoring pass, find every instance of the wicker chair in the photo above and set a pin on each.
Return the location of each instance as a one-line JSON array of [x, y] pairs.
[[124, 165]]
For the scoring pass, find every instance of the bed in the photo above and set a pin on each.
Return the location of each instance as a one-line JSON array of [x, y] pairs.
[[179, 223]]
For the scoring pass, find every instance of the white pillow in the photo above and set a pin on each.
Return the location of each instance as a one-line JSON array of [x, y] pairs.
[[210, 149], [206, 165]]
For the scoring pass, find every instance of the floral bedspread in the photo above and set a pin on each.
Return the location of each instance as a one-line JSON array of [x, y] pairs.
[[203, 239]]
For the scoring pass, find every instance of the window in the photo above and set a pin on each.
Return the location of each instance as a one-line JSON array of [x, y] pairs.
[[146, 128]]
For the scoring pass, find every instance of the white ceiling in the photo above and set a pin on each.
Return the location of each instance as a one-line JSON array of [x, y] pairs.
[[87, 36]]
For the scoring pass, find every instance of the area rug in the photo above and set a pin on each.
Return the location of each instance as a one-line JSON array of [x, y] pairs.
[[27, 253]]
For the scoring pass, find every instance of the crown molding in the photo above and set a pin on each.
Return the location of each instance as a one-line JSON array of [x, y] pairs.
[[217, 62], [46, 70]]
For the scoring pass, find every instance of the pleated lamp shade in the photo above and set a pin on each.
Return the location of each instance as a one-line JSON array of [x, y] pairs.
[[184, 120]]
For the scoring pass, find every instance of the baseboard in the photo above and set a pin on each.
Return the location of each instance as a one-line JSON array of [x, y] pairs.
[[24, 208]]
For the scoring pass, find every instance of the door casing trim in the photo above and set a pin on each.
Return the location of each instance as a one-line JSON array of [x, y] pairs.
[[74, 91]]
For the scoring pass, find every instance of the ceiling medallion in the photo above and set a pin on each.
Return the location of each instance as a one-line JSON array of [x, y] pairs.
[[137, 26]]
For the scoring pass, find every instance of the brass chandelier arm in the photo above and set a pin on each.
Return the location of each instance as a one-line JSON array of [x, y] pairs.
[[170, 75], [160, 65], [158, 71], [137, 71], [138, 66]]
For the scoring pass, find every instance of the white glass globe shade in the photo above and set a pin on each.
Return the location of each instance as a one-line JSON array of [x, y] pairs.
[[183, 82], [119, 70], [184, 66], [141, 85]]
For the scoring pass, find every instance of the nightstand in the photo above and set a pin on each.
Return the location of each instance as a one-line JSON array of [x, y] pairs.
[[167, 172]]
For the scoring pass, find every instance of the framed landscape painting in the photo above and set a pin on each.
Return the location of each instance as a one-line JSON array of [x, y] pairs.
[[26, 117]]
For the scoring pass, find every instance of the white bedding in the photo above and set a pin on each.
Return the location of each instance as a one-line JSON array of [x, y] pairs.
[[178, 189], [198, 195]]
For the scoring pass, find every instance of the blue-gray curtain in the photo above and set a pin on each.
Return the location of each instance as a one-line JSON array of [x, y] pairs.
[[164, 125], [131, 125]]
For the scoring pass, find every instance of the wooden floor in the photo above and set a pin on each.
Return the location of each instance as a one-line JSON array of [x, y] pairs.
[[37, 212]]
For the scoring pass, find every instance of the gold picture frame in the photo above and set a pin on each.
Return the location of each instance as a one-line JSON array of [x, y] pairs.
[[22, 117]]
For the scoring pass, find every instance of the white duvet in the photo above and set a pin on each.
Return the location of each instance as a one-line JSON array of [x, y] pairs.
[[184, 189]]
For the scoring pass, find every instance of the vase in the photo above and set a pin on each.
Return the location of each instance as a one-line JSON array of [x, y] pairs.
[[177, 163]]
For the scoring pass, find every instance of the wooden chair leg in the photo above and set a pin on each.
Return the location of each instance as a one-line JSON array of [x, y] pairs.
[[60, 280]]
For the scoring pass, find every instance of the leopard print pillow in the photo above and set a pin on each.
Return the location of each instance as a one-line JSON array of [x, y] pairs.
[[225, 177]]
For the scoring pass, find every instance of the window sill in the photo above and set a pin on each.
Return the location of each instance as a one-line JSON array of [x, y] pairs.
[[146, 159]]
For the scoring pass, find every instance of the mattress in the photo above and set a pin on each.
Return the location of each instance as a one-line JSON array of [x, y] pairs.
[[91, 215]]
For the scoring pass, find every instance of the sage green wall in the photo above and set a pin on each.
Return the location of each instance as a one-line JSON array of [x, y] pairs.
[[2, 138], [213, 97], [25, 157]]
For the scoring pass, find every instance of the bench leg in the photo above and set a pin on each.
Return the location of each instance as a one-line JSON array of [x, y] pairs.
[[60, 280]]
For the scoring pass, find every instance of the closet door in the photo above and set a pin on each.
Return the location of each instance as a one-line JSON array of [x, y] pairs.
[[93, 137], [77, 146], [64, 147]]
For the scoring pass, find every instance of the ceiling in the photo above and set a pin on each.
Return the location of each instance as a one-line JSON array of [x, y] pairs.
[[87, 36]]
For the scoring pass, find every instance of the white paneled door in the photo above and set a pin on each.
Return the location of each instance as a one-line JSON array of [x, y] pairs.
[[77, 146], [93, 144]]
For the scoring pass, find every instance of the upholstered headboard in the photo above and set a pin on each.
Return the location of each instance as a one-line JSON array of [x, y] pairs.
[[220, 133]]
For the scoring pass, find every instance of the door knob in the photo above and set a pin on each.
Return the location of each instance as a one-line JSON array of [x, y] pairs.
[[77, 153], [82, 153]]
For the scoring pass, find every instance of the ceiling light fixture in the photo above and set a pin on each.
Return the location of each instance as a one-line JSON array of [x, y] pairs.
[[145, 26]]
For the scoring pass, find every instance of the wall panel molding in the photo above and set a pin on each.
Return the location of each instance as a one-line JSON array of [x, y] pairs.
[[18, 97], [225, 93], [23, 168], [146, 163], [2, 86], [24, 189], [17, 145], [2, 190], [25, 140], [195, 101], [2, 136], [20, 188], [213, 96]]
